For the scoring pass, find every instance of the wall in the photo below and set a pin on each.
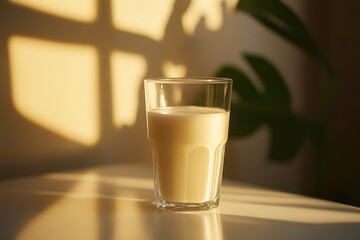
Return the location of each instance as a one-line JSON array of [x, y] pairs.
[[335, 26], [71, 80]]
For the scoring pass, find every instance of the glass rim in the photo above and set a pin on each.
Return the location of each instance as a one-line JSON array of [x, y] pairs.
[[198, 80]]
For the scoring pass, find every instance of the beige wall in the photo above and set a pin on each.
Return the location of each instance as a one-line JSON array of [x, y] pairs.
[[116, 53], [34, 141]]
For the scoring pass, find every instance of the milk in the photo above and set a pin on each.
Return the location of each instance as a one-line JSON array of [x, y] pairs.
[[188, 149]]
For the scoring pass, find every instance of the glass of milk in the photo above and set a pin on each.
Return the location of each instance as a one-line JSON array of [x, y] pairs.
[[187, 126]]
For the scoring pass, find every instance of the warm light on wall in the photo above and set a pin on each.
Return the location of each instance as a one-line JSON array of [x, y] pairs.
[[210, 10], [127, 71], [55, 86], [80, 10], [142, 17], [170, 69]]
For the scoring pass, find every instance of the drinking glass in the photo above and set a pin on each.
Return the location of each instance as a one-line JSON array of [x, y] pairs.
[[187, 126]]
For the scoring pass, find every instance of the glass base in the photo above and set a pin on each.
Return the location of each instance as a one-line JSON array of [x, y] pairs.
[[179, 206]]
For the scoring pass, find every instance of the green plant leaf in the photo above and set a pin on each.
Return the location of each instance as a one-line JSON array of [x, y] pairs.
[[288, 134], [244, 89], [279, 18], [276, 91], [271, 108], [241, 83]]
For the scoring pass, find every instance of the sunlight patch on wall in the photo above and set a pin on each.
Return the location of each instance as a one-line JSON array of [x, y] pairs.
[[80, 10], [143, 17], [210, 10], [170, 69], [55, 86], [127, 72]]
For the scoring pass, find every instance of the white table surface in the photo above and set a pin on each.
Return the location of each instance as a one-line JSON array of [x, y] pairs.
[[116, 202]]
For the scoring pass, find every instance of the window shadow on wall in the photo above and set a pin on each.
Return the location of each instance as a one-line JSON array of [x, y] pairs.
[[31, 146], [27, 147]]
